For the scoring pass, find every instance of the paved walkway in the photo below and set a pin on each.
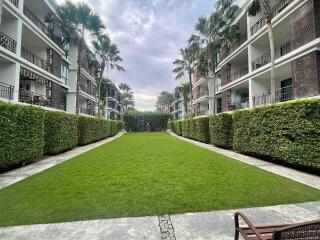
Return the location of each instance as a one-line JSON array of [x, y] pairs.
[[217, 225], [298, 176], [16, 175]]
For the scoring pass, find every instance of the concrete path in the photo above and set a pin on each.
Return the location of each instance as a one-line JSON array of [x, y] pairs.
[[16, 175], [217, 225], [298, 176]]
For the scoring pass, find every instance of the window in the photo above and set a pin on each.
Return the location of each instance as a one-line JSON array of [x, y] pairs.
[[217, 57], [64, 72]]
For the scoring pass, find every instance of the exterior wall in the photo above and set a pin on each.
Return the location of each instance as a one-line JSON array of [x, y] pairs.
[[306, 76]]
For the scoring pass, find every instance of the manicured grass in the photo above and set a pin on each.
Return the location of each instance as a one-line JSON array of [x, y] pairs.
[[144, 174]]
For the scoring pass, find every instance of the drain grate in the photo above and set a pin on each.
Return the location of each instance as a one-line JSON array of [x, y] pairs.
[[166, 228]]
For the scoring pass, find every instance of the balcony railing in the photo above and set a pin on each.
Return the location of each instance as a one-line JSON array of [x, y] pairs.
[[279, 7], [15, 2], [201, 113], [33, 18], [30, 97], [201, 93], [87, 111], [280, 51], [241, 104], [6, 91], [88, 90], [7, 42], [236, 44], [281, 95], [238, 74], [36, 60]]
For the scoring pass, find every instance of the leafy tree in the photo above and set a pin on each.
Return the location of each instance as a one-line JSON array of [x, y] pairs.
[[264, 7], [126, 96], [108, 55], [164, 101]]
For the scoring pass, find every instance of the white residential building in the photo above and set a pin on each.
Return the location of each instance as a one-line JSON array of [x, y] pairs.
[[34, 67], [177, 109], [243, 72], [114, 107]]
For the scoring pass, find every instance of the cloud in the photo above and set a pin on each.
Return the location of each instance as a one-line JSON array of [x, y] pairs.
[[149, 34]]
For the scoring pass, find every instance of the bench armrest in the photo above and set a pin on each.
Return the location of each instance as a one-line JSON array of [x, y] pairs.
[[250, 225]]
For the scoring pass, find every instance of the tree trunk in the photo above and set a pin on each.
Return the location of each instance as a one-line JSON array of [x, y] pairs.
[[99, 91], [191, 95], [272, 60], [79, 71]]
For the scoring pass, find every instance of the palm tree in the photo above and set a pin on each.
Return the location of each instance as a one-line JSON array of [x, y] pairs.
[[264, 7], [105, 85], [108, 54], [126, 96], [183, 66], [186, 89], [74, 20], [164, 101]]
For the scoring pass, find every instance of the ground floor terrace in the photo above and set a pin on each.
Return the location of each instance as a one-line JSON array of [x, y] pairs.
[[150, 174]]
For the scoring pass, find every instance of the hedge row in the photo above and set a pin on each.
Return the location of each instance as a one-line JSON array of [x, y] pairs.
[[28, 132], [136, 121], [287, 133]]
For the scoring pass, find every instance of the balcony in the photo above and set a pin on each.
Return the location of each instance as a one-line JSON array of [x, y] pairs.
[[281, 95], [280, 51], [7, 42], [279, 7], [236, 45], [200, 113], [201, 93], [87, 111], [238, 74], [89, 90], [30, 97], [15, 2], [6, 91], [241, 104], [36, 60]]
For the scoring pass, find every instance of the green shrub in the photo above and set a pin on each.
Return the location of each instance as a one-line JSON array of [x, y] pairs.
[[184, 128], [92, 129], [188, 128], [193, 129], [221, 130], [21, 134], [171, 125], [114, 127], [136, 121], [287, 132], [177, 127], [120, 125], [60, 132], [202, 129]]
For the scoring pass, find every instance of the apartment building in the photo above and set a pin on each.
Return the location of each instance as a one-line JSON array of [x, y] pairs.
[[114, 107], [177, 106], [87, 82], [35, 67], [243, 71]]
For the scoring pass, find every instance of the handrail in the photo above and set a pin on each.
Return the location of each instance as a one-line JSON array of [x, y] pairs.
[[7, 42], [35, 59], [236, 44], [281, 95], [6, 91], [30, 97], [238, 74], [33, 18], [15, 2]]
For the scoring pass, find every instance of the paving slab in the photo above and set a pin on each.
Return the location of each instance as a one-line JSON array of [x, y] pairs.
[[122, 229], [298, 176], [16, 175]]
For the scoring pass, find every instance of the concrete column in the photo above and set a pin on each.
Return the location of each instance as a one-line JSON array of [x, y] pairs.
[[20, 6], [251, 92]]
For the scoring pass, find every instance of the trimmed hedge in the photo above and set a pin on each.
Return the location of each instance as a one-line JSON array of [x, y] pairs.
[[136, 121], [221, 130], [93, 129], [202, 129], [120, 125], [60, 132], [21, 134], [177, 127], [287, 132]]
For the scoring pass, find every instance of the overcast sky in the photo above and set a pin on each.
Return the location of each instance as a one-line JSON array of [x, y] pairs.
[[149, 34]]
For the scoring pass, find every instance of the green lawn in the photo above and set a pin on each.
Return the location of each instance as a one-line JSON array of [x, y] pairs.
[[144, 174]]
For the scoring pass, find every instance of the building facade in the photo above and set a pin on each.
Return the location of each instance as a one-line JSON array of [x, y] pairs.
[[177, 109], [113, 107], [35, 67], [242, 79]]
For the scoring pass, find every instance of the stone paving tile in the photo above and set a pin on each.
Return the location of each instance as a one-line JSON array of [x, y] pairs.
[[16, 175], [298, 176], [143, 228]]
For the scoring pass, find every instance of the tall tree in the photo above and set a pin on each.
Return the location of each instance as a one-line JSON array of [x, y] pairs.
[[185, 65], [108, 55], [105, 85], [264, 7], [126, 96], [75, 20], [186, 89], [164, 101]]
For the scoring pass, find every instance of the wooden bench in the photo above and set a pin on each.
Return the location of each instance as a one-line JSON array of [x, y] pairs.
[[302, 231]]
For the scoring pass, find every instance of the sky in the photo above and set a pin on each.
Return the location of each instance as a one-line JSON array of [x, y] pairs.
[[149, 34]]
